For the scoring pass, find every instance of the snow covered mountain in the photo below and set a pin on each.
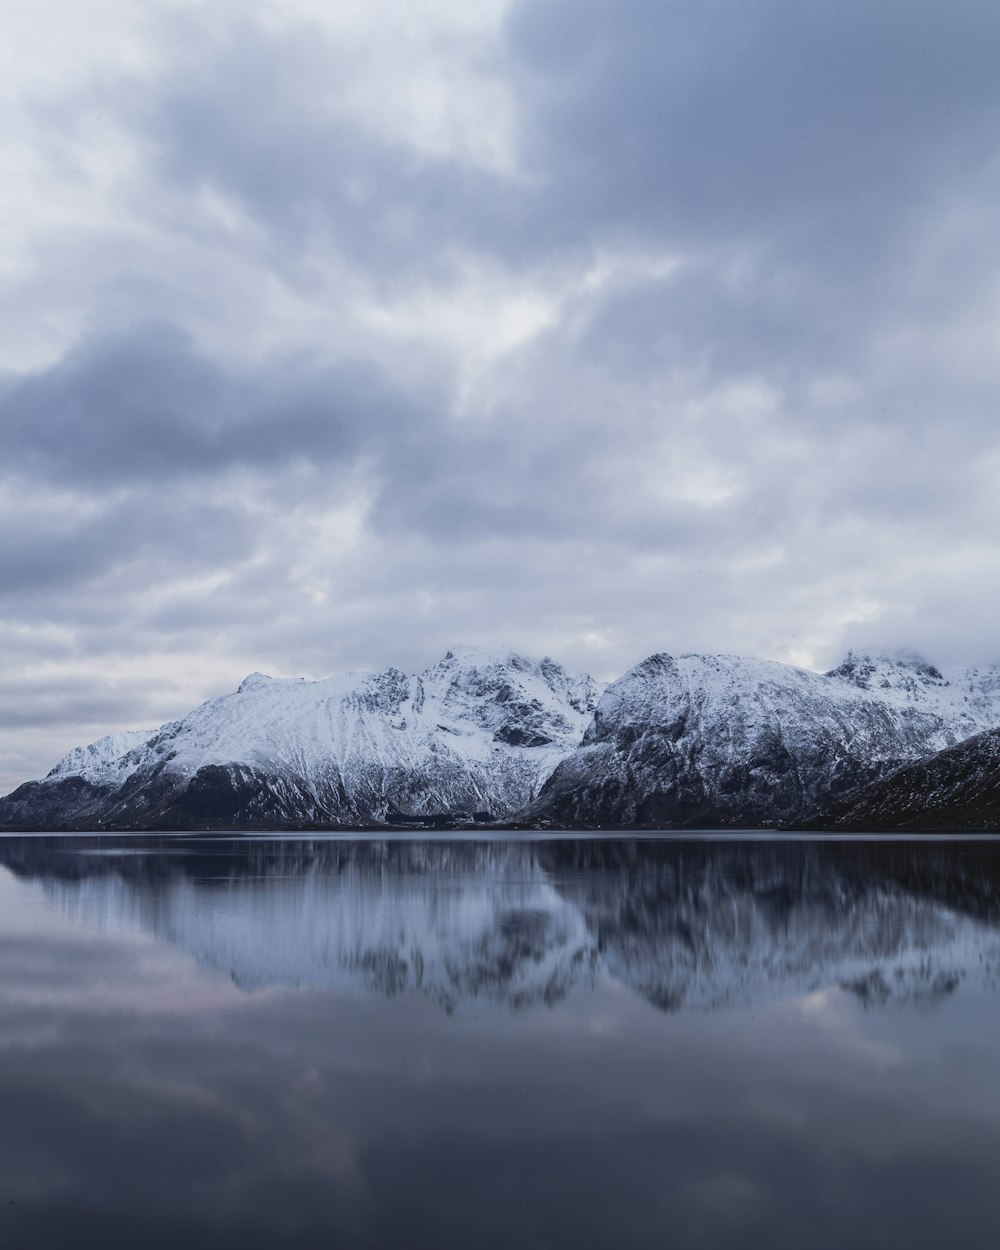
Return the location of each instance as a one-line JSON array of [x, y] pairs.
[[687, 741], [719, 740], [100, 762], [476, 733]]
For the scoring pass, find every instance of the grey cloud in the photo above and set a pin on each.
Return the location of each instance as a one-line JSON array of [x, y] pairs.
[[148, 406], [696, 319], [811, 143], [825, 173], [825, 121], [254, 114], [812, 134], [86, 709], [154, 531]]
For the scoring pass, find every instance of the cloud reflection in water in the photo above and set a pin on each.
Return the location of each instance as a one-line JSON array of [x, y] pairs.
[[244, 1042]]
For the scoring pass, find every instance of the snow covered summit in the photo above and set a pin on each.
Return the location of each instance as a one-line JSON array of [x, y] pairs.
[[689, 740], [476, 733], [717, 740]]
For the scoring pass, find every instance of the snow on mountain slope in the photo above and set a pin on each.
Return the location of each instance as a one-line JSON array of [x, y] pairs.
[[722, 740], [109, 760], [677, 741], [967, 698], [477, 732]]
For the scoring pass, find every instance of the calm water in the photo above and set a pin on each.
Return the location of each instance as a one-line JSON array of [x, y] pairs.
[[251, 1042]]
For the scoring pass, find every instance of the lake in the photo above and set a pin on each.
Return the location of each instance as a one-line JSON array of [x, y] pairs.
[[665, 1041]]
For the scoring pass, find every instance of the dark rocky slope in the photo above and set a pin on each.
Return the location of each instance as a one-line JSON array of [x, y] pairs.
[[956, 789]]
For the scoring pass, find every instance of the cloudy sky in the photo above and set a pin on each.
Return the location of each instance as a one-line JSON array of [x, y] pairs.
[[338, 331]]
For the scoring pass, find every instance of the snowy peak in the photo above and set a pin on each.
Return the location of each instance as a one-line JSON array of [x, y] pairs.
[[967, 699], [253, 682], [647, 694], [519, 701], [715, 740], [382, 693], [687, 740], [473, 737], [663, 691], [101, 761], [906, 671]]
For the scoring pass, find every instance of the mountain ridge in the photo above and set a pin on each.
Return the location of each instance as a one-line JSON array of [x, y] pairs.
[[693, 740], [722, 741], [475, 732]]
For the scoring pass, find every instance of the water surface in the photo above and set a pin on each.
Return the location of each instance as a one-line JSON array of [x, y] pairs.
[[255, 1041]]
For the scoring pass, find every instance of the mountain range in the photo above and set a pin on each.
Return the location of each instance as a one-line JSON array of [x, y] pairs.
[[677, 742]]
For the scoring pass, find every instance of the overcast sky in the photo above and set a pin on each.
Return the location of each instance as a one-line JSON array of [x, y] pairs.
[[334, 332]]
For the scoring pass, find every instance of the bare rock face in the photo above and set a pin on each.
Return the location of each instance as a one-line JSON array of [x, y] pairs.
[[721, 741], [472, 737], [956, 789]]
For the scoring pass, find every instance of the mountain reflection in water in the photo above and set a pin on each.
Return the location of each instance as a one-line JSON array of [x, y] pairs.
[[255, 1042], [520, 924]]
